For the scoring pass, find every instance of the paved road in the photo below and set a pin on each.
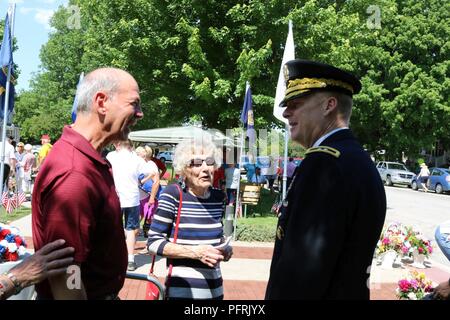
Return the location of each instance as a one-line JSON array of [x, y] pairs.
[[420, 209]]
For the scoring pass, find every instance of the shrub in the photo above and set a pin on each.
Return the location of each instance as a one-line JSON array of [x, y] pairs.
[[256, 232]]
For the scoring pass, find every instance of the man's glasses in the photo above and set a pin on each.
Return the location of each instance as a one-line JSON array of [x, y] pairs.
[[199, 162]]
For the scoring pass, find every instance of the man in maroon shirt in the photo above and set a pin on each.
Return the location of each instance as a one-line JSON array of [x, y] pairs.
[[75, 197]]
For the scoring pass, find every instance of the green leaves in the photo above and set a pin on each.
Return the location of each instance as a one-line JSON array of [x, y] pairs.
[[192, 59]]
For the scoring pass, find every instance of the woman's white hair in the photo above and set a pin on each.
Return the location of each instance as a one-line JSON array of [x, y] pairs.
[[201, 144]]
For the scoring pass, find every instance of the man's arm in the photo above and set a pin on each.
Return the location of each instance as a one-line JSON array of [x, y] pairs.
[[315, 231], [155, 188], [68, 287], [70, 217]]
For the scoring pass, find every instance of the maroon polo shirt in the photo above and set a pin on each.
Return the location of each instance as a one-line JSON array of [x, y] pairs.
[[74, 198]]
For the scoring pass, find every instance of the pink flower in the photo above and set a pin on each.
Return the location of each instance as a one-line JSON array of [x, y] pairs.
[[420, 250], [414, 284], [404, 249], [385, 241], [404, 285], [430, 249]]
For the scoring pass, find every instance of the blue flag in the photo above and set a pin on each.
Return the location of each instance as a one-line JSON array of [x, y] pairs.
[[75, 101], [6, 61], [6, 58], [247, 116]]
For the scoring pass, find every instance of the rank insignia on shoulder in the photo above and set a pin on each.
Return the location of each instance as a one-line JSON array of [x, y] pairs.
[[280, 233], [331, 151]]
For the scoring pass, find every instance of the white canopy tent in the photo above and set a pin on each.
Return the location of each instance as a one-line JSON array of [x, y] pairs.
[[175, 135]]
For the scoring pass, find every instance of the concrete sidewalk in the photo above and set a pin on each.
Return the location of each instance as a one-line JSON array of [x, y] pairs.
[[246, 274]]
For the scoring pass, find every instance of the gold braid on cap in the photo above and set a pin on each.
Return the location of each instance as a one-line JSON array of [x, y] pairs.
[[298, 86]]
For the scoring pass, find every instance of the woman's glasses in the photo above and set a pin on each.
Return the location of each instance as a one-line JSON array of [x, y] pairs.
[[199, 162]]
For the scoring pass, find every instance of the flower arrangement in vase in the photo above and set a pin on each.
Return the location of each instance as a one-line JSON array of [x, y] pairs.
[[390, 244]]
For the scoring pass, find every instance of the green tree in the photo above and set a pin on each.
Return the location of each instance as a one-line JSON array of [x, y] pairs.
[[192, 59]]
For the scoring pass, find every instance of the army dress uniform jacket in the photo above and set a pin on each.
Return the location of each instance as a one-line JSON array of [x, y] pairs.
[[328, 232]]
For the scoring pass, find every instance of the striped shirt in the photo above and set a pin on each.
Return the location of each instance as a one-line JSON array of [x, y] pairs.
[[200, 224]]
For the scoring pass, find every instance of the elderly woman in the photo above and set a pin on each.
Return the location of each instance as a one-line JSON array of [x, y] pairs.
[[196, 256]]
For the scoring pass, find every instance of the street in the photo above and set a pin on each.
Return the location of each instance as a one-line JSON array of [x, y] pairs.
[[422, 210]]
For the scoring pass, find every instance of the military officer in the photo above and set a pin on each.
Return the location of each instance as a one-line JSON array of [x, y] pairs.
[[335, 207]]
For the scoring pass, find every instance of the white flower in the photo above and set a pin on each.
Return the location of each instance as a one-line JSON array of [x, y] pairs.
[[4, 243], [12, 247], [21, 251], [14, 231], [412, 296]]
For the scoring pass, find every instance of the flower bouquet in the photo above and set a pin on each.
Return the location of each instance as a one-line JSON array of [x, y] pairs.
[[12, 245], [390, 244], [417, 246], [414, 286], [417, 241]]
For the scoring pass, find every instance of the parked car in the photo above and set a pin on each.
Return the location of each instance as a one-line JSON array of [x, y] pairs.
[[165, 156], [438, 181], [394, 173]]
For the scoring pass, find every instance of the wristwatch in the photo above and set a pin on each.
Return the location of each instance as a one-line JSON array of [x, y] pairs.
[[14, 280]]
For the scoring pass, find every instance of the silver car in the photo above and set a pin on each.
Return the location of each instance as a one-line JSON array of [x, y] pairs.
[[394, 173]]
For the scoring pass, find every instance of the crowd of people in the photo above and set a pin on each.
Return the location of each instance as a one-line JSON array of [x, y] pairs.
[[22, 164]]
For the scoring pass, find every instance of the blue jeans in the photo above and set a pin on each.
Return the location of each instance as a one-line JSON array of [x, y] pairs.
[[131, 217], [443, 243]]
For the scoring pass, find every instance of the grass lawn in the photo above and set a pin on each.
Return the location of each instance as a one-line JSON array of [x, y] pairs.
[[268, 221], [15, 215]]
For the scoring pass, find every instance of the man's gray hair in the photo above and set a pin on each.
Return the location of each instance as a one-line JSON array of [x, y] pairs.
[[103, 79]]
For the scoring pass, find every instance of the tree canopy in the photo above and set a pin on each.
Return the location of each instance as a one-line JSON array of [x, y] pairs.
[[192, 58]]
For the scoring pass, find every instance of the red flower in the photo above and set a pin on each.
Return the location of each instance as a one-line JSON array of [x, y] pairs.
[[4, 233], [404, 285], [18, 241], [420, 250]]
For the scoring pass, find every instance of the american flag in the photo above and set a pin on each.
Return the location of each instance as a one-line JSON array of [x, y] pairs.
[[9, 205], [5, 198], [19, 199]]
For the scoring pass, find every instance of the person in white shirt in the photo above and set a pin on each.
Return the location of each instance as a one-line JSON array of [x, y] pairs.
[[27, 164], [126, 167], [10, 162], [423, 176], [149, 187]]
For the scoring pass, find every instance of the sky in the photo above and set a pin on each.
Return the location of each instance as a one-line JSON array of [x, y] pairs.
[[31, 29]]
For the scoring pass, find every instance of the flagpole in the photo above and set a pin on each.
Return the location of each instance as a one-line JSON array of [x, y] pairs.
[[288, 54], [6, 106], [240, 164], [239, 186]]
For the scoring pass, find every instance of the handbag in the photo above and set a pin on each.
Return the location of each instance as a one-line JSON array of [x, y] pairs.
[[152, 292]]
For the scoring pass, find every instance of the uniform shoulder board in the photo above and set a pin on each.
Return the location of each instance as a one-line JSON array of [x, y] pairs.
[[331, 151]]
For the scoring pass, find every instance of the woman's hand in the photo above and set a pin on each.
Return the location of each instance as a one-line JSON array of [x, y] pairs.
[[209, 255]]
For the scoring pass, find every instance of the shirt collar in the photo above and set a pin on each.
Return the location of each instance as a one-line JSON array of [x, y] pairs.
[[322, 138], [81, 144]]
